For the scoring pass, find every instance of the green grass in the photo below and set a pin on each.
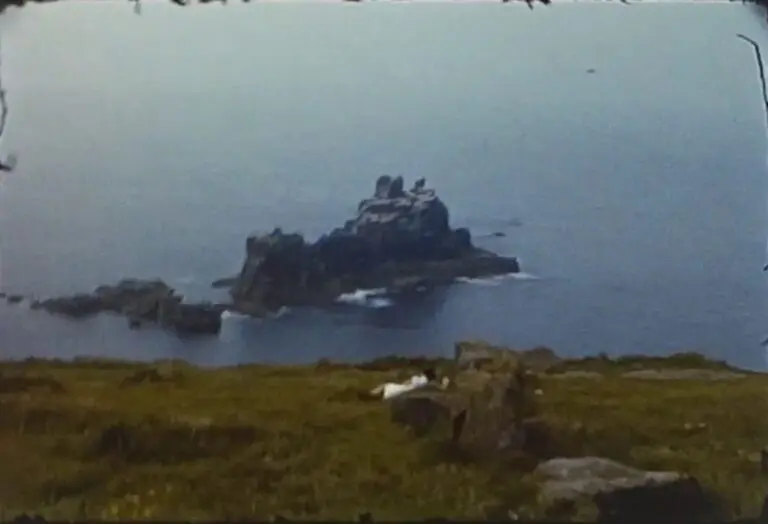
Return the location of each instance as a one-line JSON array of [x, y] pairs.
[[81, 439]]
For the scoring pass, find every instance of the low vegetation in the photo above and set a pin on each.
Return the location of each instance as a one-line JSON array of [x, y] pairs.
[[107, 439]]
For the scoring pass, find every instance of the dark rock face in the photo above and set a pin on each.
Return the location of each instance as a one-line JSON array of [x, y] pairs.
[[77, 306], [398, 237], [683, 500], [150, 301], [421, 411], [14, 299]]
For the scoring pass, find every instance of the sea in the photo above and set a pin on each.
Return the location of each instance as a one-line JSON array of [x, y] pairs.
[[619, 149]]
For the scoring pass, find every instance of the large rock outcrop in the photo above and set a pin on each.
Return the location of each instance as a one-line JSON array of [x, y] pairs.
[[400, 240], [489, 406], [141, 301]]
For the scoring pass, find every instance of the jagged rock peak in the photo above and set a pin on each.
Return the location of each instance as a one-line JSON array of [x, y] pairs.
[[388, 187]]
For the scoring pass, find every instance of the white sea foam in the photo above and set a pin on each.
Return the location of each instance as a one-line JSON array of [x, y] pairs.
[[233, 315], [524, 276], [379, 302], [280, 312], [227, 314], [497, 279], [366, 298]]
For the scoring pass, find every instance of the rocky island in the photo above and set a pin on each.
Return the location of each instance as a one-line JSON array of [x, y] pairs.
[[401, 240], [141, 301]]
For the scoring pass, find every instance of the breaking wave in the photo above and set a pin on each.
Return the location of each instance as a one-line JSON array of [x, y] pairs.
[[498, 279], [280, 312], [227, 314], [365, 297], [234, 315]]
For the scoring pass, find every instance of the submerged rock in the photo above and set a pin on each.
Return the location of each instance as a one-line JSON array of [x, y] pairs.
[[150, 301], [400, 240]]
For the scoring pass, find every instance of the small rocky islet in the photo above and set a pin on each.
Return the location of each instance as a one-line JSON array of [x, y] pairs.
[[400, 241]]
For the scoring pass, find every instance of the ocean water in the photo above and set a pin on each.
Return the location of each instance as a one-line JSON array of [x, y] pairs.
[[152, 145]]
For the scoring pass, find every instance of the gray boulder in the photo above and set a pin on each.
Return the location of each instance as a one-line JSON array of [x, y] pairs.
[[470, 354], [621, 493], [481, 413], [571, 478]]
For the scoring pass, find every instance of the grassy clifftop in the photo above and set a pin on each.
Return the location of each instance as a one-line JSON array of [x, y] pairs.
[[99, 439]]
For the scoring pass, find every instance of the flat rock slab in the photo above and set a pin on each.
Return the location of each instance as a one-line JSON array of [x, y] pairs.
[[620, 493], [682, 374], [573, 478]]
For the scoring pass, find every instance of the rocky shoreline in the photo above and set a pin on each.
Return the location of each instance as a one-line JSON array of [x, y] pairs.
[[141, 302], [400, 241]]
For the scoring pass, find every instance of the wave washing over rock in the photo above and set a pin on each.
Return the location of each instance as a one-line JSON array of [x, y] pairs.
[[495, 280], [373, 298], [400, 243]]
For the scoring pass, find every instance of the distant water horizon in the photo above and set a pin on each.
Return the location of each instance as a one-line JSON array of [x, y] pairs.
[[622, 152]]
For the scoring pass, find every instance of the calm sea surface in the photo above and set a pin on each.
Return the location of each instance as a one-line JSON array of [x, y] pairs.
[[151, 146]]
